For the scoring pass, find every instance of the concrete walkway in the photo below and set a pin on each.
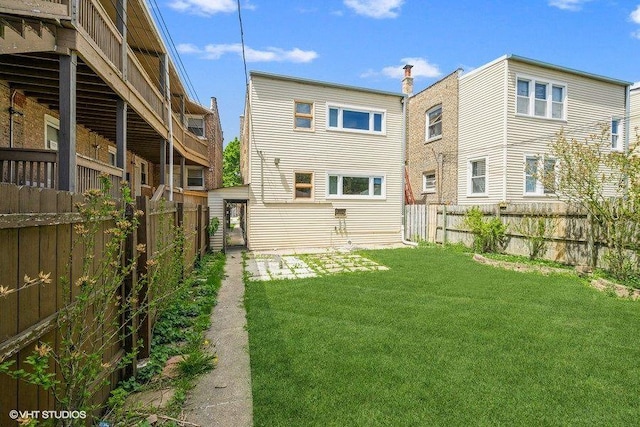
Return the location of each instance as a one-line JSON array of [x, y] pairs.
[[222, 397]]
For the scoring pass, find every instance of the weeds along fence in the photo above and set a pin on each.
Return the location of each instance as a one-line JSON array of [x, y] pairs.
[[36, 235], [567, 229]]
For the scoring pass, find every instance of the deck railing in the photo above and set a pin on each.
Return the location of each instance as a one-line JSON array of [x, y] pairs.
[[140, 81], [94, 20], [189, 140]]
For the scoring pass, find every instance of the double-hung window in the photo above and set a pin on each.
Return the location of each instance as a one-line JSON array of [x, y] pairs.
[[539, 98], [429, 182], [434, 123], [195, 177], [356, 186], [303, 115], [195, 125], [539, 175], [615, 135], [356, 119], [477, 173], [303, 185]]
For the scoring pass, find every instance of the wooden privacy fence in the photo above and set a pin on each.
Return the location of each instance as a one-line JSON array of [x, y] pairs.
[[36, 235], [567, 234]]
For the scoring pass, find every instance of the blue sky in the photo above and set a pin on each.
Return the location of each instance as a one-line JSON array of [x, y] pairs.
[[367, 42]]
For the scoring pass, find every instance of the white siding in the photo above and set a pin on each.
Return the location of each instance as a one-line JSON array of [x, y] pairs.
[[481, 130], [216, 201], [590, 102], [634, 126], [275, 219]]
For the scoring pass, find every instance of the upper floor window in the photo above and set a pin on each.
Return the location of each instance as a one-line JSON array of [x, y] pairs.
[[539, 175], [434, 122], [195, 125], [303, 185], [429, 182], [195, 177], [303, 115], [356, 186], [615, 135], [539, 98], [356, 119]]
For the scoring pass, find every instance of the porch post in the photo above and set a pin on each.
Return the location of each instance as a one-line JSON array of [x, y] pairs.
[[67, 136], [163, 161], [183, 177], [121, 24], [121, 136]]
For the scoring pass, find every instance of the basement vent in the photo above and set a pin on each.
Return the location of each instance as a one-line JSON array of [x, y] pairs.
[[341, 213]]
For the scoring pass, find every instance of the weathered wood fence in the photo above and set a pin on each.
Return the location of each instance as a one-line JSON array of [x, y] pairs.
[[36, 235], [566, 236]]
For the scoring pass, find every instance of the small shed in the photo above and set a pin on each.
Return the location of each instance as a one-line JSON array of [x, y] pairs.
[[219, 200]]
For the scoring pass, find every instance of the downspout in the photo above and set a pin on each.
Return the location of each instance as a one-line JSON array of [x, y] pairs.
[[627, 115], [167, 84], [404, 101]]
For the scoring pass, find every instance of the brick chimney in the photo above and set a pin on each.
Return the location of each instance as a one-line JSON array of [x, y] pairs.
[[407, 80]]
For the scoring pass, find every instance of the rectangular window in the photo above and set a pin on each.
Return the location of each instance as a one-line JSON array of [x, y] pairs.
[[195, 125], [51, 132], [615, 134], [547, 99], [356, 119], [434, 122], [429, 182], [478, 176], [536, 183], [303, 115], [144, 171], [356, 186], [303, 185], [195, 177], [112, 155]]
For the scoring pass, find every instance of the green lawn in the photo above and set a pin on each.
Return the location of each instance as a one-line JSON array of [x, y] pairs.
[[441, 340]]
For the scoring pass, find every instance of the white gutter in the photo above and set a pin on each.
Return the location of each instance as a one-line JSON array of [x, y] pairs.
[[403, 165], [167, 85]]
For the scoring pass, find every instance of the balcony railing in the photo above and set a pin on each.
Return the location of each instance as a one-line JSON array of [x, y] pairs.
[[38, 168], [189, 140]]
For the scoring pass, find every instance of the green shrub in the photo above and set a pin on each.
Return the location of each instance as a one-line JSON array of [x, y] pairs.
[[488, 234]]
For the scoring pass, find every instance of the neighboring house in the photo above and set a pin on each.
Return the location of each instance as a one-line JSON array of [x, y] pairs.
[[510, 111], [634, 117], [80, 96], [432, 141], [323, 163]]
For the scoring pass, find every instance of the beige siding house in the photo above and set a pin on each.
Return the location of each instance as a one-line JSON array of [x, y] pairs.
[[634, 117], [510, 111], [323, 163]]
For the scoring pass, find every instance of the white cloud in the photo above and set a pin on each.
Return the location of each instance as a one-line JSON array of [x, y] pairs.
[[270, 54], [636, 34], [375, 8], [635, 15], [421, 68], [572, 5], [203, 7]]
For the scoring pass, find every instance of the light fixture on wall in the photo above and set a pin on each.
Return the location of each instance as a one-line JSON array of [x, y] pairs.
[[276, 161]]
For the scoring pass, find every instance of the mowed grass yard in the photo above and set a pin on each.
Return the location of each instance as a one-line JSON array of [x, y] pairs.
[[441, 340]]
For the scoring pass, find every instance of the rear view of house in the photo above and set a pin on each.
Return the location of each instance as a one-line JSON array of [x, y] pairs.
[[323, 162]]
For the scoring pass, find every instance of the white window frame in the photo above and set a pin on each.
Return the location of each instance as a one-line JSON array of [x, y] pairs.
[[371, 176], [548, 102], [617, 143], [204, 127], [113, 151], [470, 177], [303, 185], [541, 162], [428, 123], [358, 109], [193, 187], [50, 121], [429, 184], [304, 116]]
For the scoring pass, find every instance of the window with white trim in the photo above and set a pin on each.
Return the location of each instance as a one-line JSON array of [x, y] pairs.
[[477, 172], [429, 182], [303, 185], [355, 119], [195, 177], [434, 123], [303, 115], [539, 98], [112, 155], [144, 172], [539, 175], [356, 186], [51, 132], [615, 135], [195, 125]]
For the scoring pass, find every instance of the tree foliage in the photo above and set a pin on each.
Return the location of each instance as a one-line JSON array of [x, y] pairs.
[[231, 164]]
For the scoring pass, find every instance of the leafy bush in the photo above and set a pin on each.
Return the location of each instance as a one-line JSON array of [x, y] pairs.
[[488, 235]]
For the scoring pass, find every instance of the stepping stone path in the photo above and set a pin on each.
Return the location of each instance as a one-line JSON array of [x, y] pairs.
[[275, 267]]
